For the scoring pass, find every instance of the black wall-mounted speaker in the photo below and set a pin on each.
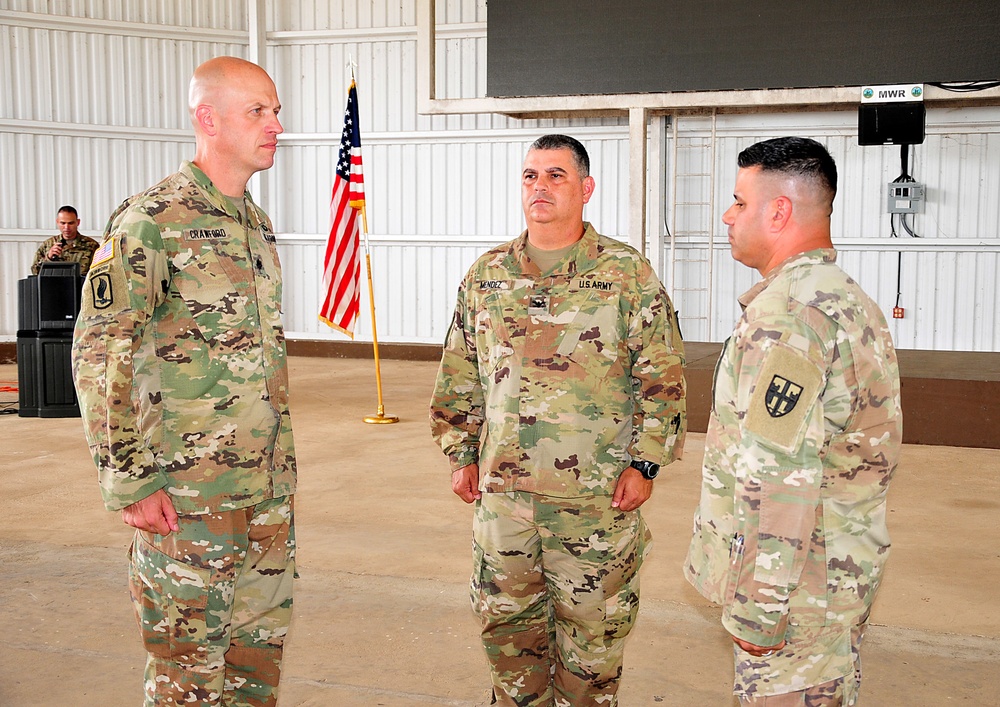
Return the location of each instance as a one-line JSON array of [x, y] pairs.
[[891, 123]]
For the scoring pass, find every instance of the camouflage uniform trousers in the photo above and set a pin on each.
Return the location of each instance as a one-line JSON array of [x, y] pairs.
[[791, 677], [556, 586], [213, 602]]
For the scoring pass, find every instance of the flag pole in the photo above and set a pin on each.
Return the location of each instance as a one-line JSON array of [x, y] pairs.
[[379, 418]]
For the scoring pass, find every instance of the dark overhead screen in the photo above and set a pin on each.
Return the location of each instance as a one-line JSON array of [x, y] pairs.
[[578, 47]]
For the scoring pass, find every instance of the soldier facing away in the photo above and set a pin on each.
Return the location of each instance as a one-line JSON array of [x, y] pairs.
[[179, 363], [790, 535], [560, 393]]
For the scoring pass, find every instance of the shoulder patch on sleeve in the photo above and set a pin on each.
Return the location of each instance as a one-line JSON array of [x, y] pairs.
[[104, 253], [105, 289], [784, 394]]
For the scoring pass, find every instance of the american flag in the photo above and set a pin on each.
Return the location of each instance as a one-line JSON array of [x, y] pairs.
[[342, 264]]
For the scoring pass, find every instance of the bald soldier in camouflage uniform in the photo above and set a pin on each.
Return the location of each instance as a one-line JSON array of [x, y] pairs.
[[560, 393], [179, 361], [790, 536]]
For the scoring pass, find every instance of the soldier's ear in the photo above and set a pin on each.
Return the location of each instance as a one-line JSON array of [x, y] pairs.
[[588, 188], [205, 117], [781, 212]]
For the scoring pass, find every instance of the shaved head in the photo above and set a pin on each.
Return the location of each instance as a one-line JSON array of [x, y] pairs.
[[219, 79], [812, 198], [799, 165]]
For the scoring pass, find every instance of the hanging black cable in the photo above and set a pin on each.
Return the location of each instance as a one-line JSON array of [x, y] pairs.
[[906, 226], [966, 87]]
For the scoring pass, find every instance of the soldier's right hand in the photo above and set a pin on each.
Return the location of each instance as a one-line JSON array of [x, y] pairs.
[[154, 514], [54, 252], [465, 483]]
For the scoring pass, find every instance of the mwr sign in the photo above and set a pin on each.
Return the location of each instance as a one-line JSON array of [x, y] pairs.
[[898, 93]]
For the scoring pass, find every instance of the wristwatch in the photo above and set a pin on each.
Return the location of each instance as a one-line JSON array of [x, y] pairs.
[[649, 470]]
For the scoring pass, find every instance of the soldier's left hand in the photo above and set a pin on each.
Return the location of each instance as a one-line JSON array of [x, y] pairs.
[[632, 490], [757, 651], [154, 514]]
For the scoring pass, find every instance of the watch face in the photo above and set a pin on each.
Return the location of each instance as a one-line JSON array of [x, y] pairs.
[[649, 470]]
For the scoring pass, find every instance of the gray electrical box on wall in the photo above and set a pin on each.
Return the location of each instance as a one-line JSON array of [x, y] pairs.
[[904, 197]]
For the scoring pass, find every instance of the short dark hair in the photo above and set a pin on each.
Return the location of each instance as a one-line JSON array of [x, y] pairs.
[[560, 142], [68, 209], [794, 156]]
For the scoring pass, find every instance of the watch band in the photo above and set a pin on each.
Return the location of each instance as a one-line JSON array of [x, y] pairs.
[[649, 470]]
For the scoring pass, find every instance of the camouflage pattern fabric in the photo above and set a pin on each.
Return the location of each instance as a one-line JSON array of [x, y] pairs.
[[829, 694], [553, 384], [179, 352], [790, 535], [556, 635], [210, 639], [838, 648], [79, 250]]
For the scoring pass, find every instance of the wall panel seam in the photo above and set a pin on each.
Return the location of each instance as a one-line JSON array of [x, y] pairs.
[[95, 130], [476, 30], [472, 135], [65, 23]]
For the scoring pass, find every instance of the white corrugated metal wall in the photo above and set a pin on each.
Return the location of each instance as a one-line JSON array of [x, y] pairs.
[[92, 109]]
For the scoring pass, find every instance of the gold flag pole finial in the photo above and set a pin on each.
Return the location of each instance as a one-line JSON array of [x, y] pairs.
[[380, 418]]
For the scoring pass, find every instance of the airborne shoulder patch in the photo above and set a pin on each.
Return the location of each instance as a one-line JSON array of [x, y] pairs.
[[784, 394], [101, 290], [105, 292]]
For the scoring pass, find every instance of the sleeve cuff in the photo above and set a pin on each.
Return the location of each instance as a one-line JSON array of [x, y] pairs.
[[463, 458]]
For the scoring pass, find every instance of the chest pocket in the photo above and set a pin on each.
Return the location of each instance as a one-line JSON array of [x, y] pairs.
[[210, 297], [496, 318], [595, 337]]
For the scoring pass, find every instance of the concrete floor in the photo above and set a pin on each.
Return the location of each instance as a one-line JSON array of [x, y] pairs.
[[381, 609]]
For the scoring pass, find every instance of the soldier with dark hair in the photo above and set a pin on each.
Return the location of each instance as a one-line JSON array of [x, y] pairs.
[[560, 393], [179, 362], [69, 246], [804, 437]]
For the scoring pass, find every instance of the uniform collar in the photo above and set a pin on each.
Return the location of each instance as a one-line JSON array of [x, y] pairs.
[[810, 257], [584, 255], [217, 198]]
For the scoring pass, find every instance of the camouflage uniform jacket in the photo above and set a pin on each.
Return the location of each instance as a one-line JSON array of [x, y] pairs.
[[79, 250], [803, 440], [553, 383], [179, 352]]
